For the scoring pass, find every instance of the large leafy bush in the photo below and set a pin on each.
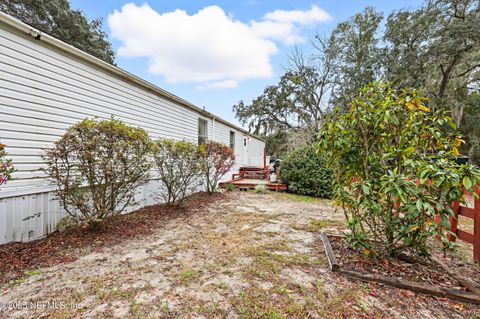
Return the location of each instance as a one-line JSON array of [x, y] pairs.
[[97, 167], [179, 165], [6, 167], [218, 160], [306, 172], [393, 160]]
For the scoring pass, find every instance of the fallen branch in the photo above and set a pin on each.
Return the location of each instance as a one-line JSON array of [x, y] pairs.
[[332, 261], [464, 282], [453, 294]]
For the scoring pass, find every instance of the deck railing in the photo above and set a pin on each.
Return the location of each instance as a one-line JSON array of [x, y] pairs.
[[251, 173], [471, 213]]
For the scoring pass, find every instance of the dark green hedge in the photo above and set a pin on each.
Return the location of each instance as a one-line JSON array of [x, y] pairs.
[[306, 173]]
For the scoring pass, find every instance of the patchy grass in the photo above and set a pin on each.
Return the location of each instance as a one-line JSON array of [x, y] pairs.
[[316, 225], [290, 301], [187, 276], [270, 246], [339, 305], [30, 273], [299, 198], [257, 303], [26, 274]]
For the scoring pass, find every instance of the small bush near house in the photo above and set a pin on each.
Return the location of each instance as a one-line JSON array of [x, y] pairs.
[[306, 172], [229, 187], [262, 189], [6, 167], [179, 165], [97, 167], [393, 160], [218, 160]]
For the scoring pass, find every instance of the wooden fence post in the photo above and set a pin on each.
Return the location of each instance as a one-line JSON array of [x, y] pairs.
[[476, 231]]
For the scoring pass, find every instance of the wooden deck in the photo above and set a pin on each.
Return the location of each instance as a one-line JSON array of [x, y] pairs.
[[249, 177], [244, 184]]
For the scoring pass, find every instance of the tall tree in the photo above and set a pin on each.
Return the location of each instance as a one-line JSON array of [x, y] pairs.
[[294, 107], [456, 51], [357, 55], [469, 126], [58, 19], [407, 37], [436, 49]]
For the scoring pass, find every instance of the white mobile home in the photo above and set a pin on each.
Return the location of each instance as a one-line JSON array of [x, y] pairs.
[[47, 85]]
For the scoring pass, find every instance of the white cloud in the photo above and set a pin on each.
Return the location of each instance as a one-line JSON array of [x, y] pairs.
[[278, 31], [209, 47], [226, 84], [282, 25], [314, 15]]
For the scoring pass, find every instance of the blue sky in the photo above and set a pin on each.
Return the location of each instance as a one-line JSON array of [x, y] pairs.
[[215, 53]]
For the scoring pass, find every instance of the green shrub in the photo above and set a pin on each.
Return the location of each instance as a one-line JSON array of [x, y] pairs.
[[229, 187], [6, 167], [97, 167], [179, 165], [260, 189], [306, 173], [394, 165]]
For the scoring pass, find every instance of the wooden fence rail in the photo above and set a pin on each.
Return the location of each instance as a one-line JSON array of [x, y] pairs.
[[471, 213]]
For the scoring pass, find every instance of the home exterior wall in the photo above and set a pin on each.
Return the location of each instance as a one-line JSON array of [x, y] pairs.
[[43, 91]]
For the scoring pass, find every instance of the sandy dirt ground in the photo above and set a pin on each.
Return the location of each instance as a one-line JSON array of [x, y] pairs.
[[246, 256]]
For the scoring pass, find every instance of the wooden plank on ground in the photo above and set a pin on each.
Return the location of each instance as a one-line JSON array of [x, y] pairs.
[[332, 260], [453, 294], [463, 281]]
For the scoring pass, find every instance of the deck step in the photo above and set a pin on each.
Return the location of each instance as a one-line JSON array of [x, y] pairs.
[[246, 184]]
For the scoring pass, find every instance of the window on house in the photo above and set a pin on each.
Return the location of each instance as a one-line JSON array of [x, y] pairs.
[[232, 140], [244, 141], [202, 131]]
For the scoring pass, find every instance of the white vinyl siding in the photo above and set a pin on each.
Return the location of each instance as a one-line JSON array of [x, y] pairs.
[[222, 134]]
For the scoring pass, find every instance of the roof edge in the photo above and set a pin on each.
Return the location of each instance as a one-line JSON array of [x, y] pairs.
[[69, 49]]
